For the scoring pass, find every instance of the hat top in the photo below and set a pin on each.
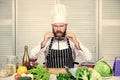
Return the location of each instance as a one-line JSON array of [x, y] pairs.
[[59, 13]]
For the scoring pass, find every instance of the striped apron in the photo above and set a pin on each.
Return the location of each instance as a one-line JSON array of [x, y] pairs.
[[59, 58]]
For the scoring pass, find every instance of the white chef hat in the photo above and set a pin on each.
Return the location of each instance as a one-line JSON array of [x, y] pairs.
[[59, 14]]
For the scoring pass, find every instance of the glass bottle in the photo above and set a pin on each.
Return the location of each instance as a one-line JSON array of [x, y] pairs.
[[18, 61], [26, 60]]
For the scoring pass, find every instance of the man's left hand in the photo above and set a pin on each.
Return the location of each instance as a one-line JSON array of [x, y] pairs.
[[72, 37]]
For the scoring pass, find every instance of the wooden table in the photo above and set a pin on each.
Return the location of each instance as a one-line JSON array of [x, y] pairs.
[[53, 77]]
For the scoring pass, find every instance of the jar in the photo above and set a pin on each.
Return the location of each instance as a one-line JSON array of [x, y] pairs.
[[3, 70], [10, 69], [11, 64]]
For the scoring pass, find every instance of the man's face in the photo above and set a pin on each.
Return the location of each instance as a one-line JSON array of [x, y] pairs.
[[59, 29]]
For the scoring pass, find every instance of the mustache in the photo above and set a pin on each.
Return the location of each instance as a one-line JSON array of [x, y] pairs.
[[58, 32], [55, 33]]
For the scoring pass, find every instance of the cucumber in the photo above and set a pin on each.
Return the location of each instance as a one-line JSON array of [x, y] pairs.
[[24, 78]]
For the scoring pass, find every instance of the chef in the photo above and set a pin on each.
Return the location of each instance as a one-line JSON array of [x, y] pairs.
[[59, 46]]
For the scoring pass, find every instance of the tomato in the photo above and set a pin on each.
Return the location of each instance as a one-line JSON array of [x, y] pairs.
[[17, 76]]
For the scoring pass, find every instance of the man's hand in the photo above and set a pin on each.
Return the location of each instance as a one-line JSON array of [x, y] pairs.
[[72, 37], [47, 36]]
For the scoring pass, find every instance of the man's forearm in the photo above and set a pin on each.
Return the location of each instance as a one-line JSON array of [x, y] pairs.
[[43, 44], [77, 45]]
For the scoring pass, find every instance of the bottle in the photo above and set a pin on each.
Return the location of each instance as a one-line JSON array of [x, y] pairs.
[[18, 61], [26, 60]]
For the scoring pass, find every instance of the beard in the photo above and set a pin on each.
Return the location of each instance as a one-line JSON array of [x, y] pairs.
[[57, 32]]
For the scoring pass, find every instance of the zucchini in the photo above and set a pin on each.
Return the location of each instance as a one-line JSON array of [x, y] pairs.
[[25, 78]]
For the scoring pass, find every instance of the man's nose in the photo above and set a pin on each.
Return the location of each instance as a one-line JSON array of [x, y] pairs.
[[58, 28]]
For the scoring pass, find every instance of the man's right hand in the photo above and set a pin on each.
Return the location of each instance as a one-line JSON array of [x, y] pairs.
[[47, 36]]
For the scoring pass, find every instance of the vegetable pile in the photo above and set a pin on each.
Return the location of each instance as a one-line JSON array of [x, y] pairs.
[[65, 76], [39, 73], [22, 74], [85, 73], [103, 69], [82, 73]]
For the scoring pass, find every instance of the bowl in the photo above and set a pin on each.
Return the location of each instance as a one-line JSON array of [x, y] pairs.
[[87, 64]]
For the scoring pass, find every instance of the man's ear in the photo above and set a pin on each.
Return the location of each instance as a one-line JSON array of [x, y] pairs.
[[52, 25], [66, 24]]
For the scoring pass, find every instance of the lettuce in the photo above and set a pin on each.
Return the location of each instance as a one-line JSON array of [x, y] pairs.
[[103, 68], [40, 73], [95, 75]]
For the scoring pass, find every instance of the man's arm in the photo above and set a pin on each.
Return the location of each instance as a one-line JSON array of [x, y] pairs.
[[40, 48], [47, 37], [78, 48], [72, 37], [84, 52]]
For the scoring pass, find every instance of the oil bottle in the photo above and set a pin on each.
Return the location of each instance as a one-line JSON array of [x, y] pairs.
[[26, 59]]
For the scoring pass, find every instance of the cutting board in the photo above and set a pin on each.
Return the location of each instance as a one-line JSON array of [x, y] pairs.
[[57, 70]]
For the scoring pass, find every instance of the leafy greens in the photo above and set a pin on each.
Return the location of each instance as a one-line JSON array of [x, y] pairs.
[[103, 68], [65, 76], [40, 73]]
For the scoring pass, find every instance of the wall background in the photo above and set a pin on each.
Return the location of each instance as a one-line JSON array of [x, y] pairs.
[[96, 23]]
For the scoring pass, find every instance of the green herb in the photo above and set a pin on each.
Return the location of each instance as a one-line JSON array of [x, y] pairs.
[[65, 76], [40, 73]]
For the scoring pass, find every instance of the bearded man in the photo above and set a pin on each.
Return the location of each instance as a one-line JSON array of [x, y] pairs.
[[59, 46]]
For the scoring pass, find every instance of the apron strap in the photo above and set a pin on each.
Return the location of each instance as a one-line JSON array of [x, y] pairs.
[[68, 43], [50, 45]]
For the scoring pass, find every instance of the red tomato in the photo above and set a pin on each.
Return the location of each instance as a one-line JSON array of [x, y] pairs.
[[17, 76]]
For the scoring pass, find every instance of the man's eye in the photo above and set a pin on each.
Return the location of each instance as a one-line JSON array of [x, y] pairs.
[[56, 26], [61, 25]]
